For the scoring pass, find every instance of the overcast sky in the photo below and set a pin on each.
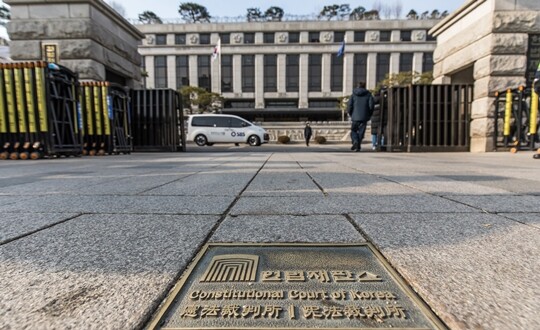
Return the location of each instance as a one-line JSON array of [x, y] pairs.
[[232, 8]]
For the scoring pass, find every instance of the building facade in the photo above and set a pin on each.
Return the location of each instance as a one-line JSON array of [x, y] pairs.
[[493, 44], [87, 36], [284, 70]]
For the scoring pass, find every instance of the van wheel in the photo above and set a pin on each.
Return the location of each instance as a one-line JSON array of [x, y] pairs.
[[254, 141], [201, 140]]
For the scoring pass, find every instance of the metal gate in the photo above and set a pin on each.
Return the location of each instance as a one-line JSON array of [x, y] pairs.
[[426, 118], [158, 120]]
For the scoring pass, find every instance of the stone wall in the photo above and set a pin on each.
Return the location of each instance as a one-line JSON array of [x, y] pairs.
[[333, 131], [91, 37], [488, 38]]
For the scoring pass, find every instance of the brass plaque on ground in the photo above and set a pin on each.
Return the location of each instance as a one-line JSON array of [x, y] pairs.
[[292, 286]]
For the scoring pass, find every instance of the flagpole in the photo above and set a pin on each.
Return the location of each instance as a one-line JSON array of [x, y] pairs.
[[219, 66], [344, 82]]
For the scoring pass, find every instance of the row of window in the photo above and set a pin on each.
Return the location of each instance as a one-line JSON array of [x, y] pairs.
[[270, 71], [293, 37], [331, 103]]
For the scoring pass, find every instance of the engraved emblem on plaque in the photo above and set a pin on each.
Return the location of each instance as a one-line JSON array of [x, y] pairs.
[[232, 268]]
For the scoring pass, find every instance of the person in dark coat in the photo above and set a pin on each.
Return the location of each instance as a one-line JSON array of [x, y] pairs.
[[360, 109], [307, 133]]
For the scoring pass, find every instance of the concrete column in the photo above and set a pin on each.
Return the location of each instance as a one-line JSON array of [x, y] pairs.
[[150, 80], [326, 72], [170, 39], [281, 73], [237, 74], [193, 71], [394, 63], [259, 81], [417, 62], [395, 36], [348, 65], [303, 88], [171, 71], [371, 79]]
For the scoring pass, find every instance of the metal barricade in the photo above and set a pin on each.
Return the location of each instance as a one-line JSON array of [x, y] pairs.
[[516, 119], [38, 111], [426, 118], [158, 120], [106, 112]]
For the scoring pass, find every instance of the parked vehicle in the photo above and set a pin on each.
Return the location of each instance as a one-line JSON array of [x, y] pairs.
[[210, 129]]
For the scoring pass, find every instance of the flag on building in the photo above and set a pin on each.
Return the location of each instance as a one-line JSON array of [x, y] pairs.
[[217, 50], [341, 49]]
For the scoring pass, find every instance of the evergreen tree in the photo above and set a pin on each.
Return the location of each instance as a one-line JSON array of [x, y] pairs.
[[193, 13]]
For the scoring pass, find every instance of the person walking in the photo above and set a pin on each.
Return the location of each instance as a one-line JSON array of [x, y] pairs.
[[307, 133], [360, 108]]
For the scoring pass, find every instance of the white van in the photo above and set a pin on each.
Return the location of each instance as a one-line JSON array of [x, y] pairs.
[[210, 129]]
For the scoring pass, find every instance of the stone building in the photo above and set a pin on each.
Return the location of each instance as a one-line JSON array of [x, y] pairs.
[[87, 36], [284, 70], [493, 44]]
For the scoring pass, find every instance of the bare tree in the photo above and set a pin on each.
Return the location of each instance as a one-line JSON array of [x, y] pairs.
[[386, 11], [117, 7], [377, 5], [397, 8]]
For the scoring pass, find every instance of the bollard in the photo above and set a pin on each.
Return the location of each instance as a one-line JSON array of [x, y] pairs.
[[534, 116], [507, 116]]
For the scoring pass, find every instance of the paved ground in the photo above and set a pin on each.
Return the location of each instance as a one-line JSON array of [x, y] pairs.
[[98, 242]]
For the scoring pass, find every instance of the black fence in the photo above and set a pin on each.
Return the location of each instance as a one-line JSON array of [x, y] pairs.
[[426, 118], [158, 120], [38, 111], [516, 119]]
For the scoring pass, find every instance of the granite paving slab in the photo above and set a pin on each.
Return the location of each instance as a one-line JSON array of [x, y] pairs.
[[336, 184], [97, 271], [501, 204], [132, 185], [7, 201], [206, 184], [16, 224], [477, 271], [443, 186], [532, 219], [301, 229], [123, 204], [57, 186], [272, 183], [283, 205], [504, 183], [397, 203]]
